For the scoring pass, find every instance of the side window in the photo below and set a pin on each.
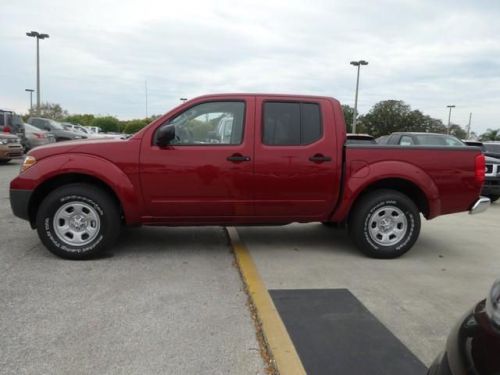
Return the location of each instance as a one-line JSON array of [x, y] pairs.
[[210, 123], [406, 141], [291, 123]]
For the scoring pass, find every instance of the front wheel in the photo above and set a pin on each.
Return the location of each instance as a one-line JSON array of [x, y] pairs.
[[78, 221], [384, 224]]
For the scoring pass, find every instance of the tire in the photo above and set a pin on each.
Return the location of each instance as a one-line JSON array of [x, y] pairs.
[[493, 198], [78, 221], [384, 224], [4, 161]]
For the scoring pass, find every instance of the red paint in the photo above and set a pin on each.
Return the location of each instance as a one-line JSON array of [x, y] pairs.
[[178, 185]]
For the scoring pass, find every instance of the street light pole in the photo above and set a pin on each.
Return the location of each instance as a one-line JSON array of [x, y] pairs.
[[38, 36], [358, 65], [31, 97], [449, 116]]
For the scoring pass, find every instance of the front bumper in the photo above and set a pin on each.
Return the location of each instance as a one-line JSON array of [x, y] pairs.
[[19, 202], [480, 205]]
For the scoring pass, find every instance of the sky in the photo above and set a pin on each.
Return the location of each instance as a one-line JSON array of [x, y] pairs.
[[101, 52]]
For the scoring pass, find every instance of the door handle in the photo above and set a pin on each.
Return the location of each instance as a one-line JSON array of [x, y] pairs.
[[320, 158], [236, 158]]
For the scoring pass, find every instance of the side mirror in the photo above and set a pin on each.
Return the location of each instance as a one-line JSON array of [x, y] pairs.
[[164, 135]]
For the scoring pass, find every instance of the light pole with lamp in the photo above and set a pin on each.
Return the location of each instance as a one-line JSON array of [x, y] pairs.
[[31, 97], [38, 36], [357, 64], [449, 116]]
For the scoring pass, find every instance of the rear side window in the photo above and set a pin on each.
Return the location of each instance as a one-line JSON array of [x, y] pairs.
[[291, 123]]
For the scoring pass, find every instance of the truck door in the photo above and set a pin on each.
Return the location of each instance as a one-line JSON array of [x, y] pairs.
[[206, 172], [297, 166]]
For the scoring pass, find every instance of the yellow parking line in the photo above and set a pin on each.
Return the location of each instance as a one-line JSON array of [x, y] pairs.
[[279, 344]]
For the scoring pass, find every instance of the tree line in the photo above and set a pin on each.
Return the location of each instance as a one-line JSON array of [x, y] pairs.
[[383, 118]]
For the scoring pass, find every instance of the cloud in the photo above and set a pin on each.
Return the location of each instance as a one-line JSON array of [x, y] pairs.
[[427, 53]]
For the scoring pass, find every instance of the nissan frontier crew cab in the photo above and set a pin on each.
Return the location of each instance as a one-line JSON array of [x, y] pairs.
[[243, 159]]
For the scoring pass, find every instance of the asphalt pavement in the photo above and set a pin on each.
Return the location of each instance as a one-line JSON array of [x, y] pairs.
[[418, 297], [164, 301]]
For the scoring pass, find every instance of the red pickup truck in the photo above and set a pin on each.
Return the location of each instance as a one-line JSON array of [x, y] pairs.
[[243, 159]]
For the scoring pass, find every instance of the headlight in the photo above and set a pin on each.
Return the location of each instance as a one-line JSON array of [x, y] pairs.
[[28, 162], [4, 141], [493, 305]]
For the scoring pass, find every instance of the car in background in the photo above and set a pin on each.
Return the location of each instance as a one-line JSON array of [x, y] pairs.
[[10, 147], [421, 139], [491, 187], [473, 346], [492, 149], [12, 123], [34, 137], [55, 128], [359, 139]]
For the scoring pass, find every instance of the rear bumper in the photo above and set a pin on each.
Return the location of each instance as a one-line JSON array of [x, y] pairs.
[[480, 205], [19, 202]]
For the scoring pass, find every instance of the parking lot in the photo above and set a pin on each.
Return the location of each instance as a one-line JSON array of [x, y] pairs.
[[170, 300], [166, 301]]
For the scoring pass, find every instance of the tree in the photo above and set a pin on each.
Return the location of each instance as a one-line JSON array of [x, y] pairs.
[[81, 119], [106, 123], [53, 111], [390, 116], [386, 117], [348, 116], [490, 135], [458, 131]]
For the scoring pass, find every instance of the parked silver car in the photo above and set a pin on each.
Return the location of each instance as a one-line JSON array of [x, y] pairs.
[[34, 137]]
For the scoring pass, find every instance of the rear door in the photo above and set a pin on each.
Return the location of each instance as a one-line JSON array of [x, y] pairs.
[[297, 171]]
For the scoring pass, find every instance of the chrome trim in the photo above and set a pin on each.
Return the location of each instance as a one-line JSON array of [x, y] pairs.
[[480, 206]]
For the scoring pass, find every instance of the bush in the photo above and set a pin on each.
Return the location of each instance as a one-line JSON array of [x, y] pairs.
[[133, 126], [107, 123]]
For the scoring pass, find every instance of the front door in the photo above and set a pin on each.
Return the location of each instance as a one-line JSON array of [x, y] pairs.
[[206, 173]]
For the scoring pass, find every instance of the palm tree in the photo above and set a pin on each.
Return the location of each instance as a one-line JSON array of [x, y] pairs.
[[491, 135]]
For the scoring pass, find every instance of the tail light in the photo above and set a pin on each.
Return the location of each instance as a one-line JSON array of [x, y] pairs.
[[480, 169], [39, 135]]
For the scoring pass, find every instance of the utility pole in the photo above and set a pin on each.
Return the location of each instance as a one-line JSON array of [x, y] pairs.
[[38, 36], [358, 65], [449, 116], [31, 97], [468, 125]]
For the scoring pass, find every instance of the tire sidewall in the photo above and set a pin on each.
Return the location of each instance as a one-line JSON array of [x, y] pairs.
[[407, 238], [45, 222]]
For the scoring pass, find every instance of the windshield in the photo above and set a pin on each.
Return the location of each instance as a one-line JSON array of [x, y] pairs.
[[438, 140], [492, 147], [31, 128], [56, 125]]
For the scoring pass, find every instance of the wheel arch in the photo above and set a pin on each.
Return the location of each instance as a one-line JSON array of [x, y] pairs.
[[426, 199], [408, 188], [60, 180]]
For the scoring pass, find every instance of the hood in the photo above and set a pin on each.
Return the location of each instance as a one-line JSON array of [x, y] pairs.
[[90, 146], [7, 135]]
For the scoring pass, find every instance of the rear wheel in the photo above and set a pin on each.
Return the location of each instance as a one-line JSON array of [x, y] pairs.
[[384, 224], [494, 198], [78, 221]]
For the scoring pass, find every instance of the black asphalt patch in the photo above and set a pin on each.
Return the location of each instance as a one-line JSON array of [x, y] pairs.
[[334, 333]]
